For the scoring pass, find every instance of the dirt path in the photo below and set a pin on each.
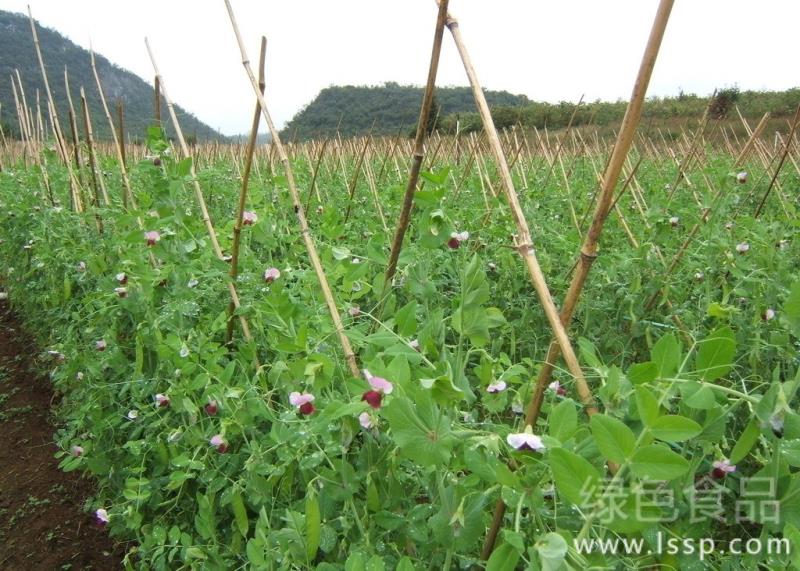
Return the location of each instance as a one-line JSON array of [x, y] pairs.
[[43, 524]]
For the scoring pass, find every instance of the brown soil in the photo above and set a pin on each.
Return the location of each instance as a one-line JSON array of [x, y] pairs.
[[43, 522]]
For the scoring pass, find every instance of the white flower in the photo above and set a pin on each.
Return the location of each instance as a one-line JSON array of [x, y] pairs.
[[768, 314], [133, 414], [496, 387], [192, 283], [698, 276], [184, 351], [741, 178], [525, 441], [743, 247]]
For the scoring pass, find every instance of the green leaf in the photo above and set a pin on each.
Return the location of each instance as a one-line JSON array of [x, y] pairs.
[[614, 439], [313, 523], [647, 405], [356, 562], [641, 373], [575, 478], [420, 430], [240, 513], [666, 354], [552, 550], [563, 420], [746, 441], [406, 319], [657, 462], [504, 558], [674, 428], [715, 356]]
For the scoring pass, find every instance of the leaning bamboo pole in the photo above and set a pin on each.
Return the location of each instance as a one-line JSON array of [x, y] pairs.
[[418, 156], [248, 163], [589, 250], [787, 145], [97, 176], [350, 357], [524, 242], [198, 193], [127, 196], [61, 144]]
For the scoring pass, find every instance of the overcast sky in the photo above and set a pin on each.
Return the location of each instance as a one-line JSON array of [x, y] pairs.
[[555, 50]]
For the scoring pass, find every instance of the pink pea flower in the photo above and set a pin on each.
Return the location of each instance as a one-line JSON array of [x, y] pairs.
[[101, 518], [152, 237], [100, 345], [380, 387], [456, 238], [722, 468], [743, 247], [365, 420], [219, 443], [76, 451], [81, 266], [556, 387], [354, 311], [249, 218], [741, 178], [211, 408], [122, 278], [674, 221], [304, 402], [768, 314], [496, 387], [162, 400], [698, 276], [121, 291], [525, 441], [271, 275], [414, 344]]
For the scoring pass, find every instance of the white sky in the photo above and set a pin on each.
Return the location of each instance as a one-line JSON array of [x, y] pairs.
[[548, 50]]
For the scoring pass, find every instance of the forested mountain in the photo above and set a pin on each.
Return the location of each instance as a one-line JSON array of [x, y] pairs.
[[17, 51], [391, 107]]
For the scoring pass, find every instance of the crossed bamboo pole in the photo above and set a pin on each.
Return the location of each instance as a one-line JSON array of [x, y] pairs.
[[349, 355], [589, 250], [237, 227], [198, 192], [523, 240]]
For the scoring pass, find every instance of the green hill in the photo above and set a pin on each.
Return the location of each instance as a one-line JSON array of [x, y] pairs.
[[17, 51], [391, 107], [394, 108]]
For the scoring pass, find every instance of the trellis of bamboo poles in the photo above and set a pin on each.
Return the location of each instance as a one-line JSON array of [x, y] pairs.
[[198, 192], [589, 249], [248, 163], [786, 147], [349, 355]]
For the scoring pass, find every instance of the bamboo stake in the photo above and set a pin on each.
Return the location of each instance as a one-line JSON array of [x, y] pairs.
[[121, 129], [313, 187], [589, 249], [212, 234], [251, 145], [786, 147], [127, 196], [97, 177], [298, 206]]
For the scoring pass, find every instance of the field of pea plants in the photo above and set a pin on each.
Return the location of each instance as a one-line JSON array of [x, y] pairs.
[[270, 452], [291, 356]]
